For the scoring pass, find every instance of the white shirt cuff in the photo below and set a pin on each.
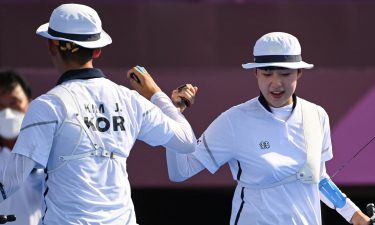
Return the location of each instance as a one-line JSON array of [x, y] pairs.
[[348, 210], [154, 98]]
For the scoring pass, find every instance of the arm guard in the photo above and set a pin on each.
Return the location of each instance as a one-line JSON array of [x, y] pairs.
[[332, 193]]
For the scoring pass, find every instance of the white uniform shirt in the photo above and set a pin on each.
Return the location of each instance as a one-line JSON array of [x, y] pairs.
[[90, 190], [263, 149], [25, 204]]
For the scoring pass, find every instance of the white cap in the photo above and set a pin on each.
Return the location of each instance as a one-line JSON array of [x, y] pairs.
[[75, 23], [278, 49]]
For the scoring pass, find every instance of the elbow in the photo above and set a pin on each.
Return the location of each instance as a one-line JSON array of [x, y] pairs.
[[182, 144], [189, 142], [177, 179], [189, 146], [188, 149], [185, 148]]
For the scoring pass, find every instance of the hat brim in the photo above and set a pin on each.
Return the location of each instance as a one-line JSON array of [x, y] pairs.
[[104, 40], [289, 65]]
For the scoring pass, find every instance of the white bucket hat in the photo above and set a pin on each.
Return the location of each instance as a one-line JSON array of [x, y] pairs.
[[75, 23], [278, 49]]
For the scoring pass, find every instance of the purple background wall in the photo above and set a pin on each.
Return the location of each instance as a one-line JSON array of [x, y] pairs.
[[205, 43]]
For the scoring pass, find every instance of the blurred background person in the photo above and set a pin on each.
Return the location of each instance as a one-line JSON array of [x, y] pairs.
[[15, 96]]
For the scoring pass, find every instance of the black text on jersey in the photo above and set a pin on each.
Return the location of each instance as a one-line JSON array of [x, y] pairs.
[[102, 124]]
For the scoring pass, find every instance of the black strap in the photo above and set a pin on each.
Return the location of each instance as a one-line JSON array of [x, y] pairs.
[[75, 37], [277, 58]]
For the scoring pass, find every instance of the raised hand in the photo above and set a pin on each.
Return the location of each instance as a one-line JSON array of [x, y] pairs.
[[142, 82], [183, 96]]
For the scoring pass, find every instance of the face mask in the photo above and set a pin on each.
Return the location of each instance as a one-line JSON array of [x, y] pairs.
[[10, 123]]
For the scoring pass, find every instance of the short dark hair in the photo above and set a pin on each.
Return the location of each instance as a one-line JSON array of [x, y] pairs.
[[75, 53], [267, 68], [9, 79]]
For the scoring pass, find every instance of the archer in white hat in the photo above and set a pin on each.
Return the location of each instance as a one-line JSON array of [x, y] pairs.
[[15, 96], [276, 145], [278, 49], [75, 34], [278, 54], [82, 131]]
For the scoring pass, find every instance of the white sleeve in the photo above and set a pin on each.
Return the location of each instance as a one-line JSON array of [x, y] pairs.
[[349, 208], [182, 166], [14, 173], [216, 145], [183, 139], [210, 151]]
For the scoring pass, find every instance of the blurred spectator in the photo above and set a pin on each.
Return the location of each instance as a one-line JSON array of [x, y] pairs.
[[15, 95]]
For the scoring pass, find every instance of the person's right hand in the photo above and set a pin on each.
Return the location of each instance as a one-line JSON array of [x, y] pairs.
[[143, 82], [360, 218], [183, 96]]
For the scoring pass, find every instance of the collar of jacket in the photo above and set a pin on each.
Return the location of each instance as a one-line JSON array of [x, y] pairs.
[[264, 103], [86, 73]]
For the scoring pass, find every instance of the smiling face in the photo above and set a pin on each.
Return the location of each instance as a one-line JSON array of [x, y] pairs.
[[277, 85]]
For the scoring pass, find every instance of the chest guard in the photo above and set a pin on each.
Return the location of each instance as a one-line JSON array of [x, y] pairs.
[[313, 132], [72, 133], [313, 135]]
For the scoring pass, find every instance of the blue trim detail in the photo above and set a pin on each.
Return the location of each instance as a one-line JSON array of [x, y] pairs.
[[3, 194]]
